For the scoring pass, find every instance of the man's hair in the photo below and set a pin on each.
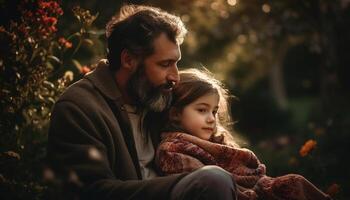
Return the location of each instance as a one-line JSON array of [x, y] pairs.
[[135, 28]]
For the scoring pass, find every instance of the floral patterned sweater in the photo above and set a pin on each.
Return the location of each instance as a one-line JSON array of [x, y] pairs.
[[180, 152]]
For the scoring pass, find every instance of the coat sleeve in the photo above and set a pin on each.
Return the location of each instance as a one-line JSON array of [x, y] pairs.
[[76, 150]]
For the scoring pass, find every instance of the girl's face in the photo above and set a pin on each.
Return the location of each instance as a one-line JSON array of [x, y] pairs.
[[199, 117]]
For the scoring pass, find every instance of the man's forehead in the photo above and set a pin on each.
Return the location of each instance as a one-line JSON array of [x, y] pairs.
[[164, 48]]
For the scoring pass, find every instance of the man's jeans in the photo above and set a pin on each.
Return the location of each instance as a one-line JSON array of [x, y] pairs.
[[208, 182]]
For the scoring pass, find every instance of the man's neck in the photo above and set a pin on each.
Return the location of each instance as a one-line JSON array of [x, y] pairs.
[[121, 78]]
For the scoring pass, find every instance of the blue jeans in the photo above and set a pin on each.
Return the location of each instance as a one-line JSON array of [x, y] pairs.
[[208, 182]]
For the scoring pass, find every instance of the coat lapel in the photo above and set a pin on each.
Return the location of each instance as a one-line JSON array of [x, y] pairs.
[[103, 79]]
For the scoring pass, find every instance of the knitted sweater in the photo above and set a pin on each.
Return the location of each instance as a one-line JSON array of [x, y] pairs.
[[180, 152]]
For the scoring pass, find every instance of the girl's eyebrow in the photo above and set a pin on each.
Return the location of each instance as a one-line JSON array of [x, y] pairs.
[[205, 104], [202, 103]]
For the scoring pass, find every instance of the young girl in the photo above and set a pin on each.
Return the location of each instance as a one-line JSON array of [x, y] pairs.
[[195, 136]]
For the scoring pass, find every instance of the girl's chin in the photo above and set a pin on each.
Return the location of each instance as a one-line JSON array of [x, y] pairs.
[[205, 136]]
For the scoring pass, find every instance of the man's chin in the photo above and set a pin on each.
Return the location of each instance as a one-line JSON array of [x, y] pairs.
[[161, 103]]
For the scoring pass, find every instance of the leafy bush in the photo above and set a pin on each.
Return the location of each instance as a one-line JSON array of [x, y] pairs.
[[31, 56]]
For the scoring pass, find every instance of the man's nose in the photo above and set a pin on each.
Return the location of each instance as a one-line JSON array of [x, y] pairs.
[[174, 74]]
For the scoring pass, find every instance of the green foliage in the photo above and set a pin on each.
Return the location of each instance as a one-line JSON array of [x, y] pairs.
[[286, 63], [31, 56]]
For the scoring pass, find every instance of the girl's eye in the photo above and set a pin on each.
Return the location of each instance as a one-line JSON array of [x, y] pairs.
[[201, 110], [215, 112]]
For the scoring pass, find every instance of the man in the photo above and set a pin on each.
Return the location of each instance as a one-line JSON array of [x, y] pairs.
[[98, 133]]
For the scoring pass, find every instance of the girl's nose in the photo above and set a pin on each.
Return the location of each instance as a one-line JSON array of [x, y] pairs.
[[211, 118]]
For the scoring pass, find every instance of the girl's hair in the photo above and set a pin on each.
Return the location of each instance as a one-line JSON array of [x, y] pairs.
[[194, 84]]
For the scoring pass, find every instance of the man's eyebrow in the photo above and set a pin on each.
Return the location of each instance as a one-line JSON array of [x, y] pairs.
[[171, 59], [167, 60]]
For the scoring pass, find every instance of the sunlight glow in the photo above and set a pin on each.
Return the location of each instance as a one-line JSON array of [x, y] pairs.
[[215, 6], [242, 39], [185, 18], [232, 2], [266, 8]]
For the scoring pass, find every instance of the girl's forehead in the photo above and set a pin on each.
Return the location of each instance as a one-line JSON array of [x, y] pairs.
[[210, 99]]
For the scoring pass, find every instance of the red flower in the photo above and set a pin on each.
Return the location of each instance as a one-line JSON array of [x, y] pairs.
[[51, 6], [50, 20], [52, 29], [28, 14], [65, 43], [23, 29]]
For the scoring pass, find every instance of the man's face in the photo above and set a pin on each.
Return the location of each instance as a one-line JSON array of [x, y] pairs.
[[151, 84]]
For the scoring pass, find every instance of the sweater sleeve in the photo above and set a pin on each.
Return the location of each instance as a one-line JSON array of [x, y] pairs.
[[174, 162], [76, 151], [175, 155]]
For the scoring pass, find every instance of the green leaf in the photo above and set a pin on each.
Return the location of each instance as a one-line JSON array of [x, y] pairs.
[[54, 58], [77, 64], [12, 154], [89, 42]]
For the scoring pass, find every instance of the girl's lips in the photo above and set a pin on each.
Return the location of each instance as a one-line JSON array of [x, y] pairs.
[[209, 129]]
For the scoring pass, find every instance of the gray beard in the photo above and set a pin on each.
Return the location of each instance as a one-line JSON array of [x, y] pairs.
[[145, 94]]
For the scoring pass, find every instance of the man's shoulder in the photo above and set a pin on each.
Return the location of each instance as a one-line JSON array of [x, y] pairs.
[[83, 95], [92, 85], [78, 91]]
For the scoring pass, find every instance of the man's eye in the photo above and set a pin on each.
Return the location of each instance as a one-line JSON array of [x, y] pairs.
[[165, 64]]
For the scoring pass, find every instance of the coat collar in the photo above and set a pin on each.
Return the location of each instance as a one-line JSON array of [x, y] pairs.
[[103, 79]]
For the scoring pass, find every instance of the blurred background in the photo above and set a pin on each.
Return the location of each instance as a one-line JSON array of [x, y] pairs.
[[286, 62]]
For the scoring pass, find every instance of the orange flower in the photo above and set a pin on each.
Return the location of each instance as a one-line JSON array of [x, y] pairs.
[[68, 45], [307, 147], [85, 69], [333, 189]]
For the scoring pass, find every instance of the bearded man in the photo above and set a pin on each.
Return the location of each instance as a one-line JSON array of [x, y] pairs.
[[102, 135]]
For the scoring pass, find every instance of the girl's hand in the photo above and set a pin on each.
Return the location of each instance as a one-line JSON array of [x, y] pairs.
[[261, 170], [217, 138]]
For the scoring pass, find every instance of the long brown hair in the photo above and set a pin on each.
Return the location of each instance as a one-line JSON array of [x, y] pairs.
[[194, 84]]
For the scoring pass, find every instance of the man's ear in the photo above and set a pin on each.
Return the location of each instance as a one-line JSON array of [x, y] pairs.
[[128, 61]]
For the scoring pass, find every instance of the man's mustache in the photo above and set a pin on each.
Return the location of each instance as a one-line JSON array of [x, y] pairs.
[[167, 86]]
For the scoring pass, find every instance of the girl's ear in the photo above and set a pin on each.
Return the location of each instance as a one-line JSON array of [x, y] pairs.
[[128, 61], [174, 115]]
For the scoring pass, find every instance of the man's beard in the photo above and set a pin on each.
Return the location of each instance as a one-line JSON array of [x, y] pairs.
[[145, 94]]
